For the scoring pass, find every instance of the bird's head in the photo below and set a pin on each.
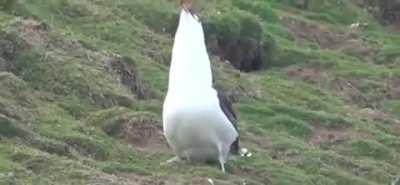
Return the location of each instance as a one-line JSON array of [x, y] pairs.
[[197, 7], [186, 5]]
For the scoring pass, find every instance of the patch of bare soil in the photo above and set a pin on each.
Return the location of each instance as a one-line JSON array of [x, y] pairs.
[[109, 179], [205, 181], [124, 69], [395, 27], [323, 135], [354, 91], [142, 180], [377, 115], [252, 139], [134, 179], [326, 38], [359, 48], [394, 89], [34, 32], [175, 180], [142, 132], [382, 118], [315, 76], [350, 92]]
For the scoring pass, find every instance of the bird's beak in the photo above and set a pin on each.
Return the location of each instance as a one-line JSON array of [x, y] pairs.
[[186, 5]]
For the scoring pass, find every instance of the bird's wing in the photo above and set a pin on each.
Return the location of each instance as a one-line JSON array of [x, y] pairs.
[[227, 108]]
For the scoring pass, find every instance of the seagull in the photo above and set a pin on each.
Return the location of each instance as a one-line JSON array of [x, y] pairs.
[[198, 121]]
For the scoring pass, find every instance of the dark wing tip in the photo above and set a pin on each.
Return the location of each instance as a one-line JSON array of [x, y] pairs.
[[227, 109]]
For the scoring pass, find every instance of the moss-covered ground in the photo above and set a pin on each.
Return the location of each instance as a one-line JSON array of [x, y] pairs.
[[82, 84]]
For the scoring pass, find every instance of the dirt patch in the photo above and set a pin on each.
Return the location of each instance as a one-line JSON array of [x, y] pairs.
[[252, 139], [323, 135], [394, 93], [34, 32], [350, 92], [395, 27], [21, 35], [205, 181], [367, 93], [124, 69], [144, 132], [108, 179], [381, 117], [144, 180], [324, 37], [329, 136], [172, 180], [394, 89], [315, 76], [359, 48], [146, 137]]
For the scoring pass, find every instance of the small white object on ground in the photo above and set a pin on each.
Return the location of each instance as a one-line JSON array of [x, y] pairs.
[[210, 181], [396, 181], [244, 152]]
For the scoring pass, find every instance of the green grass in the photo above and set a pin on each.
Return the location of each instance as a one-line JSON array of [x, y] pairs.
[[392, 106], [63, 107]]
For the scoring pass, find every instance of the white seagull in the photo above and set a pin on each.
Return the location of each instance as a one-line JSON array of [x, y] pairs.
[[198, 121]]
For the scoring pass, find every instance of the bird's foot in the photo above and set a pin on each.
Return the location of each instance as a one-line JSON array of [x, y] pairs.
[[222, 164], [170, 161]]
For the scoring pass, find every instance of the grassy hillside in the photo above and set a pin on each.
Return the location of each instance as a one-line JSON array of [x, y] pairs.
[[82, 84]]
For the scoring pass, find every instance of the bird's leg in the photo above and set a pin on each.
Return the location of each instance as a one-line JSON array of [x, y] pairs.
[[221, 157], [172, 160], [222, 163], [187, 154]]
